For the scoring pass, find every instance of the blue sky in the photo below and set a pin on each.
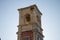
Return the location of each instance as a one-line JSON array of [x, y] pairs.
[[9, 17]]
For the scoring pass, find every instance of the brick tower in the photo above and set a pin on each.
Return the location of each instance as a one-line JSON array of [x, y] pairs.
[[29, 27]]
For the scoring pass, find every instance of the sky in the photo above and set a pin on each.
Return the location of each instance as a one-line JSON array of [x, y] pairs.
[[9, 17]]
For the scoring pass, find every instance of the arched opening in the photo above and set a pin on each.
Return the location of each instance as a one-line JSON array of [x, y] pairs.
[[27, 17]]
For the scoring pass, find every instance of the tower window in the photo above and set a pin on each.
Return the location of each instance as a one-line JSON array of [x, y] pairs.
[[27, 17], [38, 18], [38, 38]]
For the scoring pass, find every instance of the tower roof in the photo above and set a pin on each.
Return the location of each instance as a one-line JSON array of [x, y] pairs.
[[30, 7]]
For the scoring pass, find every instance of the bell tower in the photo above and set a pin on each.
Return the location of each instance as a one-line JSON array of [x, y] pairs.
[[29, 27]]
